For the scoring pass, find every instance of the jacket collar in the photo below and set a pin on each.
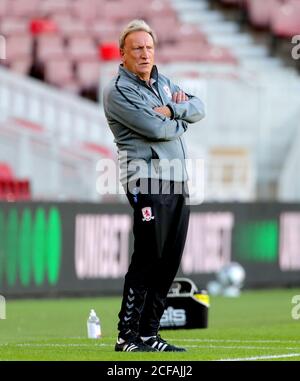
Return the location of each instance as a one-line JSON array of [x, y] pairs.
[[123, 71]]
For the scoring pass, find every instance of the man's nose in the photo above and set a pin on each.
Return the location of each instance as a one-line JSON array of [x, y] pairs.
[[145, 53]]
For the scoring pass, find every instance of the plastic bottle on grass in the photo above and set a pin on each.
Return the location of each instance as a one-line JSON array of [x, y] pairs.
[[93, 326]]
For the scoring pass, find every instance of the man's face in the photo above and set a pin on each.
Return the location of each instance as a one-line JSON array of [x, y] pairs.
[[138, 54]]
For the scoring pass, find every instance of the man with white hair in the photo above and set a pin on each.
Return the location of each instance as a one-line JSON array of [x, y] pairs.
[[148, 115]]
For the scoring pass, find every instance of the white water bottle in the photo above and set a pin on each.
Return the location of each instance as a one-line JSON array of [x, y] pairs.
[[93, 326]]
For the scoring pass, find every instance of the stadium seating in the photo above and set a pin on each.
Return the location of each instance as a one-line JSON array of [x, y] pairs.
[[59, 72], [19, 53], [82, 48], [285, 20], [12, 188], [40, 32], [51, 137], [5, 172], [282, 18], [88, 73], [279, 18], [260, 12]]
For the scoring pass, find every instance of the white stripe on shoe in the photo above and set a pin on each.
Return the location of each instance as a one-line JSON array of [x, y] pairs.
[[131, 348]]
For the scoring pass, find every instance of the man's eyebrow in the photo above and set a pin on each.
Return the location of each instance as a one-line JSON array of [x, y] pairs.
[[142, 45]]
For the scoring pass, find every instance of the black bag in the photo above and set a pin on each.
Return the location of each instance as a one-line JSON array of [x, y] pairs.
[[186, 307]]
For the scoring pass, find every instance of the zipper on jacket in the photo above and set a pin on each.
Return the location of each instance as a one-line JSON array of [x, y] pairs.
[[160, 98], [156, 93]]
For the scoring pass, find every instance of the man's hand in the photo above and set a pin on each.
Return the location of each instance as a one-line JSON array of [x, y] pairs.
[[179, 97], [164, 110]]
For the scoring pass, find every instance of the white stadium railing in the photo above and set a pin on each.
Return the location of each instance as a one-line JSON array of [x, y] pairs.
[[66, 116], [41, 131]]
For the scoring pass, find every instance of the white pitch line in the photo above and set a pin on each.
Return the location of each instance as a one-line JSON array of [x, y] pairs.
[[253, 358], [262, 357], [61, 345], [241, 347], [199, 340], [106, 345], [238, 341], [109, 345], [113, 339]]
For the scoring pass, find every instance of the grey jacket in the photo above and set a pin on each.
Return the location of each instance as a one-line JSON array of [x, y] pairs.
[[149, 143]]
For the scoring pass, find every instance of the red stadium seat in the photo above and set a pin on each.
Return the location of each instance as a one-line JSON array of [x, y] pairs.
[[21, 65], [62, 18], [21, 8], [109, 51], [7, 190], [104, 31], [67, 35], [59, 72], [196, 52], [165, 30], [119, 11], [6, 172], [18, 46], [50, 47], [40, 26], [82, 48], [50, 7], [73, 27], [13, 26], [88, 73], [24, 190], [285, 20], [260, 12], [3, 8], [12, 188], [2, 190], [85, 10]]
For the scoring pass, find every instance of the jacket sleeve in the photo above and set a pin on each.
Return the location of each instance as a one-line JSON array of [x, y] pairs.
[[126, 106], [190, 111]]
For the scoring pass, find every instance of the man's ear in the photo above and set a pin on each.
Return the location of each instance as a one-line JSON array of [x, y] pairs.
[[122, 55]]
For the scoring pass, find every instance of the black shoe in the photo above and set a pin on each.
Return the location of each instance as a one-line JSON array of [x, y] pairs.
[[133, 345], [161, 345]]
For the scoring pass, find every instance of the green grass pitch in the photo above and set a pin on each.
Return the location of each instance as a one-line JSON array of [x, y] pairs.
[[256, 326]]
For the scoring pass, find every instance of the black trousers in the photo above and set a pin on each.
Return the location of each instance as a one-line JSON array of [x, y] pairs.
[[160, 228]]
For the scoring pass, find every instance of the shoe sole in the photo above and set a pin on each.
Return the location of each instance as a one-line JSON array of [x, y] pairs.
[[120, 349]]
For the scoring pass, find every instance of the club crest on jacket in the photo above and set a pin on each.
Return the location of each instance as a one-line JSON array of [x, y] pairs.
[[147, 214]]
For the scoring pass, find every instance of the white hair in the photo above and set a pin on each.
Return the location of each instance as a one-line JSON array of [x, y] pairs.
[[135, 26]]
